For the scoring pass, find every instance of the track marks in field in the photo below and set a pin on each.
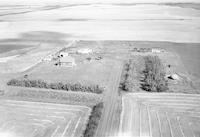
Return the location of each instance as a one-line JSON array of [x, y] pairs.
[[160, 115], [31, 119]]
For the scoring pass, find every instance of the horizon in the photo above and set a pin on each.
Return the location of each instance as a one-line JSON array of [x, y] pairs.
[[41, 2]]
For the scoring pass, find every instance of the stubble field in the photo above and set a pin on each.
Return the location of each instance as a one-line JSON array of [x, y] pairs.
[[160, 115], [31, 119]]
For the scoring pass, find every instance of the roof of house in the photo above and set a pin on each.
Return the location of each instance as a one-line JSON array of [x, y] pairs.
[[67, 59], [84, 51]]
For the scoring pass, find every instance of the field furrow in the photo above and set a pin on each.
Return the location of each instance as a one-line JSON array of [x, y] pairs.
[[30, 119], [160, 115]]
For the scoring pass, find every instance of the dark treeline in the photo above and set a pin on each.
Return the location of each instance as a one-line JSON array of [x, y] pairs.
[[57, 86], [93, 120], [154, 75]]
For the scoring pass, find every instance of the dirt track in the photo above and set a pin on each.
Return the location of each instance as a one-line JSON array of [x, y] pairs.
[[30, 119], [110, 119], [160, 115]]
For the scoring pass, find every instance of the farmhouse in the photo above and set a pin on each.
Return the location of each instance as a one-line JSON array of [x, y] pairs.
[[63, 54], [67, 61], [84, 51], [157, 50]]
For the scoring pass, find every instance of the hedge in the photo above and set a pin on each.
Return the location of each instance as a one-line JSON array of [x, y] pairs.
[[58, 86], [93, 120]]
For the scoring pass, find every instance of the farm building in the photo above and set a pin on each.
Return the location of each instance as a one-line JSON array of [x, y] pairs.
[[157, 50], [67, 61], [63, 54], [84, 51], [48, 58]]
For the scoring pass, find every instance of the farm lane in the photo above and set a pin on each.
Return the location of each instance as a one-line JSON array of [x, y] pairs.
[[109, 124]]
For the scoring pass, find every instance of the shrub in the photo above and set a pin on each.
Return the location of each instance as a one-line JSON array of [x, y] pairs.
[[1, 92], [154, 75], [93, 120]]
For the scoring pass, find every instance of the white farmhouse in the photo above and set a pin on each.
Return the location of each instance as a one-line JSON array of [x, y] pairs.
[[157, 50], [85, 51]]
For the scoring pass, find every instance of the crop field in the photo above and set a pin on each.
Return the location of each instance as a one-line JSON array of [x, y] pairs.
[[160, 115], [31, 119]]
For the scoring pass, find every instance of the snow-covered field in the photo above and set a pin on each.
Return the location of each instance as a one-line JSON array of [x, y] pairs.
[[103, 20]]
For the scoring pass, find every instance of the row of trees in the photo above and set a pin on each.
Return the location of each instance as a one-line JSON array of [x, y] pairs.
[[59, 86], [127, 80], [154, 75], [93, 120]]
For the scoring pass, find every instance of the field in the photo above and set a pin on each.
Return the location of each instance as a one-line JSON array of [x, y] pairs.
[[25, 60], [52, 96], [107, 20], [31, 119], [160, 115], [96, 72], [36, 29]]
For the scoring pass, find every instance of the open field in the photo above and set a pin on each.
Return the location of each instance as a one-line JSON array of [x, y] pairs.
[[31, 119], [103, 21], [24, 61], [160, 115], [106, 72], [52, 96], [96, 72], [31, 30]]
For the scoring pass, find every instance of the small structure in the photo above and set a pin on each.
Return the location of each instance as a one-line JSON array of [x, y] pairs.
[[157, 50], [67, 61], [173, 77], [48, 58], [84, 51], [98, 58], [63, 54]]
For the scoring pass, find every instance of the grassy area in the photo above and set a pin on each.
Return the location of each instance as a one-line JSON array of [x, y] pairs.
[[53, 96], [154, 75], [58, 86], [93, 120], [94, 72]]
